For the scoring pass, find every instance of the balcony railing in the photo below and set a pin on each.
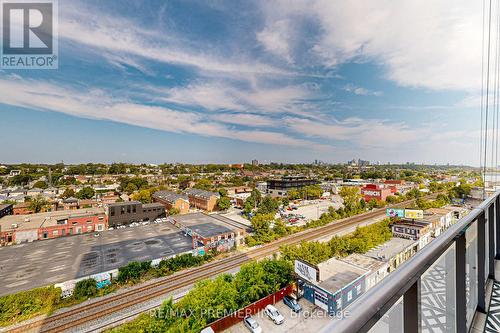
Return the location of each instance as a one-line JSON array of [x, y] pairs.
[[440, 288]]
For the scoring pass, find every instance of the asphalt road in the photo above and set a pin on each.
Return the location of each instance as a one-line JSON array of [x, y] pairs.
[[51, 261]]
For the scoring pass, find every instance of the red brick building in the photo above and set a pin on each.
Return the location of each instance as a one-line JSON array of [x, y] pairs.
[[375, 191], [15, 229]]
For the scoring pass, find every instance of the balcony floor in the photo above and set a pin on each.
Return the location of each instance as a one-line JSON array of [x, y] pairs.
[[490, 322]]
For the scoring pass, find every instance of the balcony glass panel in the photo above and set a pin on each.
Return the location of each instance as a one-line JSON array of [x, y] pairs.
[[391, 321], [471, 271], [437, 295]]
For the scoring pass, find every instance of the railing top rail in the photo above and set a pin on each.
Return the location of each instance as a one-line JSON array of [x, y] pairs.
[[372, 305]]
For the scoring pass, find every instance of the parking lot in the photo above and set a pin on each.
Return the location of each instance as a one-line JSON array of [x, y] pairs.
[[310, 319], [312, 210], [46, 262]]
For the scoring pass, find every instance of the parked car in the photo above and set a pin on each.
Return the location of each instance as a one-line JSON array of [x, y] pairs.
[[252, 325], [292, 303], [274, 314]]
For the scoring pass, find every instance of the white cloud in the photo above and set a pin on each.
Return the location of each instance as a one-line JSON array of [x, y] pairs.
[[96, 104], [365, 133], [360, 90], [217, 95], [120, 37], [245, 119], [421, 43], [211, 96], [275, 39]]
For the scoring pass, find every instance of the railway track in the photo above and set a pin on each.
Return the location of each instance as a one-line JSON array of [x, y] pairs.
[[79, 315]]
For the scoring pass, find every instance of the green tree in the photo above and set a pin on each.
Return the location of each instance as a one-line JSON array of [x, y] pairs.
[[38, 204], [68, 192], [86, 193], [294, 194], [261, 224], [143, 196], [40, 184], [204, 184], [173, 211], [350, 195], [223, 203], [268, 205], [130, 188]]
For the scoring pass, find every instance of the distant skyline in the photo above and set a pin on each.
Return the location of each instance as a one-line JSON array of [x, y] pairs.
[[231, 81]]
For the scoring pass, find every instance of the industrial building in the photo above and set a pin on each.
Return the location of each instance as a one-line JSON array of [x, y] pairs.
[[331, 285], [211, 231], [172, 200], [201, 199], [124, 213], [376, 191], [15, 229]]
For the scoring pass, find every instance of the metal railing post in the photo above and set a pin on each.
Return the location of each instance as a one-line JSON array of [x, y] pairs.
[[481, 244], [460, 271], [497, 226], [411, 311], [491, 238]]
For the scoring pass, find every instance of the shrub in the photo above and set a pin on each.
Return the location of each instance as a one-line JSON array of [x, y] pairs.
[[27, 304], [85, 289]]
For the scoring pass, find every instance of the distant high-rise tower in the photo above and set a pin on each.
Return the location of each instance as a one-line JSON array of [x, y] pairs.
[[255, 162]]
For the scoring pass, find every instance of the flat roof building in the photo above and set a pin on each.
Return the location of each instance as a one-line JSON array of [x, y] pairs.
[[211, 231], [280, 187], [124, 213], [16, 229], [339, 284], [394, 252]]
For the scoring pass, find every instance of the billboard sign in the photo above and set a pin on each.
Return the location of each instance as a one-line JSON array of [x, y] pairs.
[[305, 271], [414, 213], [395, 212]]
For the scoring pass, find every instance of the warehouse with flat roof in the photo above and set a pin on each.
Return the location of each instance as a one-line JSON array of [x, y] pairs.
[[211, 231]]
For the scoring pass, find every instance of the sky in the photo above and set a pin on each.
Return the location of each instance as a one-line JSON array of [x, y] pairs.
[[231, 81]]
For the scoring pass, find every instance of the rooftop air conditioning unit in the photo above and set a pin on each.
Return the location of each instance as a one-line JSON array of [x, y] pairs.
[[14, 225]]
